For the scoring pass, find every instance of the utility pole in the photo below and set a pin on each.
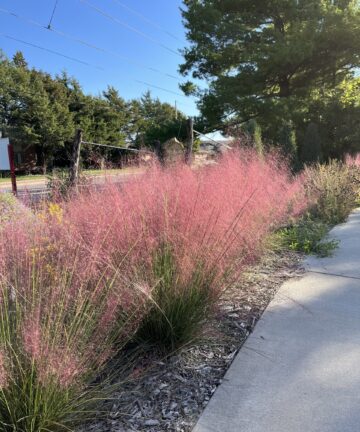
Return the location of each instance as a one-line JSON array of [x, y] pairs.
[[176, 111], [75, 160], [190, 140]]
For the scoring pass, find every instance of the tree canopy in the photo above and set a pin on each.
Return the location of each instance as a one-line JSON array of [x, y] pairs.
[[44, 111], [276, 61]]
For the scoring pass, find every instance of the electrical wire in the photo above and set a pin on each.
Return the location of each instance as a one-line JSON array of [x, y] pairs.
[[87, 44], [51, 51], [37, 24], [210, 139], [160, 88], [129, 27], [115, 147], [146, 19]]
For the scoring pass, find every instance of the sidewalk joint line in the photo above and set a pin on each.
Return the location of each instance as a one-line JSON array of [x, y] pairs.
[[334, 274]]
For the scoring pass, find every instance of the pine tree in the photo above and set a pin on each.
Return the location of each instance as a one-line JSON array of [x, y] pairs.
[[19, 60], [267, 59]]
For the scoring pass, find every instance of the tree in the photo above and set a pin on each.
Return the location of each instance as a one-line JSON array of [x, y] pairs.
[[39, 110], [156, 121], [19, 60], [311, 149], [265, 59]]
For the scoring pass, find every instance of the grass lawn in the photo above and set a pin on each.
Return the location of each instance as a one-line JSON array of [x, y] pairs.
[[91, 172], [31, 177]]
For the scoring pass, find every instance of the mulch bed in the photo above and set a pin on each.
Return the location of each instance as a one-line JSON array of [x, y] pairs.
[[169, 394]]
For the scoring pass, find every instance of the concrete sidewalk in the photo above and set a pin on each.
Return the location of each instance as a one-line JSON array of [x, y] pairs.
[[299, 371]]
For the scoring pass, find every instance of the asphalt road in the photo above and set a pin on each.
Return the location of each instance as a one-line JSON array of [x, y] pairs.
[[39, 187]]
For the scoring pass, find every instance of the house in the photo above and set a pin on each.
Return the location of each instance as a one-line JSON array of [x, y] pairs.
[[215, 142], [25, 158]]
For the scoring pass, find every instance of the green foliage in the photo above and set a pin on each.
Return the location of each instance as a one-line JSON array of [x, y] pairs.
[[311, 149], [178, 310], [334, 189], [253, 129], [287, 142], [275, 60], [156, 121], [308, 236], [44, 112]]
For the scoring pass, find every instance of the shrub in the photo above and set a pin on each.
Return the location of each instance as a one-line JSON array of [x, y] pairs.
[[62, 313], [308, 236], [334, 189], [189, 232]]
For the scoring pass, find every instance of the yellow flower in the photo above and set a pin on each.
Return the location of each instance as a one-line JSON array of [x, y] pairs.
[[55, 211]]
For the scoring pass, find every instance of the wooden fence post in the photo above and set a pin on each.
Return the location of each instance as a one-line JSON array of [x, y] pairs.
[[75, 160], [190, 140]]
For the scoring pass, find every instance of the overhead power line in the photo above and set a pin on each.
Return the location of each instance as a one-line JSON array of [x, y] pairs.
[[129, 27], [50, 51], [159, 88], [82, 62], [86, 43], [146, 19], [116, 147]]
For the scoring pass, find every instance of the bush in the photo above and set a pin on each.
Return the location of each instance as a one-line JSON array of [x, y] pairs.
[[308, 236], [189, 232], [334, 189], [62, 314]]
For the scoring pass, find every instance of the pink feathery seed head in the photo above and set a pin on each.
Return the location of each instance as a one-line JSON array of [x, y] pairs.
[[353, 160], [214, 214], [109, 314], [32, 336], [60, 365]]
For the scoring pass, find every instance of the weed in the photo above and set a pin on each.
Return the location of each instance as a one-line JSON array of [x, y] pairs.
[[308, 236]]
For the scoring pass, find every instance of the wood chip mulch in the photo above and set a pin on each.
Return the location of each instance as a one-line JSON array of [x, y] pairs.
[[170, 393]]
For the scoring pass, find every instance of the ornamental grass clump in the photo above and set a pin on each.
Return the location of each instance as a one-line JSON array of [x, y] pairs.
[[333, 189], [63, 314], [187, 233]]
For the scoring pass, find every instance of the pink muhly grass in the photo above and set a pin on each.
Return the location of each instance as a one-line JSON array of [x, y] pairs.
[[61, 315], [199, 227], [353, 160]]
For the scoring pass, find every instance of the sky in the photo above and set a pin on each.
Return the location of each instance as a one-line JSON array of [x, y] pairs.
[[149, 35]]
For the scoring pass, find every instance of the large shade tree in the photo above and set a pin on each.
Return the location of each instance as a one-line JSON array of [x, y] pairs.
[[268, 59]]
